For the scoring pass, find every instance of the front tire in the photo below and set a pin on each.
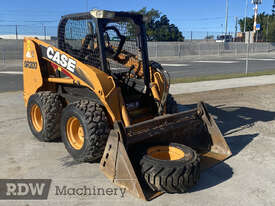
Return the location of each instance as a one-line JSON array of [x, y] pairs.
[[84, 130]]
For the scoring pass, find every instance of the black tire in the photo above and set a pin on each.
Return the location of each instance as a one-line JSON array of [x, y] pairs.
[[50, 105], [171, 176], [171, 105], [96, 128]]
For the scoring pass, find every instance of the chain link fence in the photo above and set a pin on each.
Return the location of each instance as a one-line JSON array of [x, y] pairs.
[[197, 45], [202, 48], [12, 49]]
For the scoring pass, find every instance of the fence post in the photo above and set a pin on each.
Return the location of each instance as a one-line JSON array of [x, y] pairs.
[[16, 32], [156, 46], [199, 49], [178, 48], [17, 53], [45, 32], [247, 55], [3, 54], [253, 48]]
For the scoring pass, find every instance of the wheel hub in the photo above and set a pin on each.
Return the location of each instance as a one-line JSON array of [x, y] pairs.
[[37, 118], [165, 153], [75, 133]]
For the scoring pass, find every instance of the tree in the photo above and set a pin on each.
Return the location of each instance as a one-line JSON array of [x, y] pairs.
[[158, 27], [249, 24], [271, 31], [273, 8], [267, 22]]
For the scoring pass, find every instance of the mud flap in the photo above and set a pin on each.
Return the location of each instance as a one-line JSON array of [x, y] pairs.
[[194, 128]]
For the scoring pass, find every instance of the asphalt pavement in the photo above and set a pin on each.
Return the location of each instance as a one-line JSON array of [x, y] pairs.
[[217, 65]]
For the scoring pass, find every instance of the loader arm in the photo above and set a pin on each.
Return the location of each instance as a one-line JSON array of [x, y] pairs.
[[159, 78]]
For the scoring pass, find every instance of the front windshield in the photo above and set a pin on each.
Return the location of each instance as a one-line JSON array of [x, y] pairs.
[[121, 39], [80, 39]]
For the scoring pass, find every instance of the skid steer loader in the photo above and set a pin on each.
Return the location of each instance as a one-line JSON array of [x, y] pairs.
[[98, 90]]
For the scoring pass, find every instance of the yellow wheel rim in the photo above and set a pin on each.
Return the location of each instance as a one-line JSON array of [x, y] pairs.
[[165, 153], [37, 118], [75, 133]]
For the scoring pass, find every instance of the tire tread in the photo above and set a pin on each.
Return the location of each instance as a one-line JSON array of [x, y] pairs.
[[177, 179], [97, 126], [51, 108]]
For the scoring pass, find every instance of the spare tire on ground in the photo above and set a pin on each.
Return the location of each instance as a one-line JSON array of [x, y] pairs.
[[172, 168]]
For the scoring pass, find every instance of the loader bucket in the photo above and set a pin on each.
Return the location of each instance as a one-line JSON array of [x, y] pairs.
[[194, 128]]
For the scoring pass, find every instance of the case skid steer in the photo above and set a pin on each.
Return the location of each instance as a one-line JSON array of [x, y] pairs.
[[99, 92]]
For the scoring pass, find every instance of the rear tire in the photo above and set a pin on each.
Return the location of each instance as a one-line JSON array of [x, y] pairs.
[[171, 176], [84, 130], [171, 105], [43, 114]]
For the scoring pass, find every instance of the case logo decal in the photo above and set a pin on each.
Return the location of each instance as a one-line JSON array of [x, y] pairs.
[[61, 59]]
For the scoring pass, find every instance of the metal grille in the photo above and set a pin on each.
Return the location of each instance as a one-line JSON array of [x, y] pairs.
[[127, 29], [80, 41]]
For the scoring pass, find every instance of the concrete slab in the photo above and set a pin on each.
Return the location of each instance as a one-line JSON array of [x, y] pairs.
[[185, 88], [246, 116]]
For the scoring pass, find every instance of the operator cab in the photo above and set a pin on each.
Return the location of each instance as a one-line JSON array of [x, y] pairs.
[[111, 41], [114, 42]]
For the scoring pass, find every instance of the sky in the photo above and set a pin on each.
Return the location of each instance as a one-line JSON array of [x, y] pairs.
[[197, 15]]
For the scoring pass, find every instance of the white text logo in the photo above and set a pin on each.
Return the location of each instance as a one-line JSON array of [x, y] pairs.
[[61, 59]]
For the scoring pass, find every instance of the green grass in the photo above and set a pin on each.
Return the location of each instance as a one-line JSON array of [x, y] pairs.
[[219, 77]]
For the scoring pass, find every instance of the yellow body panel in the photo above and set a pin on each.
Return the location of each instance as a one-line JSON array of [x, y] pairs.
[[99, 82], [32, 77], [96, 80]]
